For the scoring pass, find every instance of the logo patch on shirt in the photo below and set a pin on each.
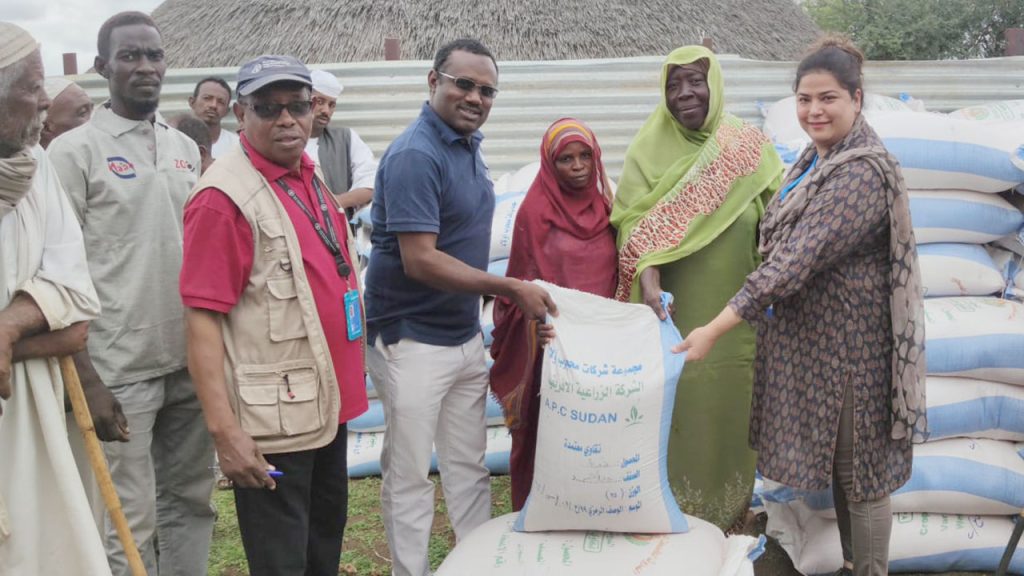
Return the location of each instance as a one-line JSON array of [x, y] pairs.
[[120, 166], [183, 165]]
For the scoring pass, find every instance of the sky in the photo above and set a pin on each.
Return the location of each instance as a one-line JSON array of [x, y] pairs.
[[67, 25]]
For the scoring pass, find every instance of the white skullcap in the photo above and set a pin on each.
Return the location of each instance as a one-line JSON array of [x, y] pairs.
[[326, 84], [55, 85], [15, 44]]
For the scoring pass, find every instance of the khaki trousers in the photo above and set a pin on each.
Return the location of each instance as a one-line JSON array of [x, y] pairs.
[[164, 477], [864, 527], [433, 397]]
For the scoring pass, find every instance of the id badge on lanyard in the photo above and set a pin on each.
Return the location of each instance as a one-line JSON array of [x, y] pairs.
[[353, 315]]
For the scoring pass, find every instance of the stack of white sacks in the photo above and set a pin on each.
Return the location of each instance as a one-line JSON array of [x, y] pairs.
[[956, 512], [366, 433], [509, 193]]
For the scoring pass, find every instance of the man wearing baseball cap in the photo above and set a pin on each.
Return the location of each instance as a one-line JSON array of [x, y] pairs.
[[270, 282], [346, 160]]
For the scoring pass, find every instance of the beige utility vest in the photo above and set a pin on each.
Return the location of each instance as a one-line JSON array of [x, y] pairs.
[[278, 369]]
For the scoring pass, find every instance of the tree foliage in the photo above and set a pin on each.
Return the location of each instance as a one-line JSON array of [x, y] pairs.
[[921, 29]]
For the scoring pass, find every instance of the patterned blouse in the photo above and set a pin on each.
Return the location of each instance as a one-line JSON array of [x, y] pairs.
[[829, 327]]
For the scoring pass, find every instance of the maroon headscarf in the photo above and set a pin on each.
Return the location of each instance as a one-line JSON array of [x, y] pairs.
[[561, 236]]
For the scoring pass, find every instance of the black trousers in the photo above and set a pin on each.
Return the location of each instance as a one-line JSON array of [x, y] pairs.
[[296, 530]]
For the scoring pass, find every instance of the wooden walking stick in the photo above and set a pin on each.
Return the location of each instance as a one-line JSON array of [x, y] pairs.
[[73, 386]]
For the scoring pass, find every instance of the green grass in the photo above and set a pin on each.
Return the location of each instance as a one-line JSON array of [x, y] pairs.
[[366, 551], [227, 558]]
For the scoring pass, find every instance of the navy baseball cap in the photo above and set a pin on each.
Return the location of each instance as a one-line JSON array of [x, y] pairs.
[[268, 69]]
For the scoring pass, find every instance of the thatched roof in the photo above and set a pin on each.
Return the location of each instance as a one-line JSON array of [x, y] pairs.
[[200, 33]]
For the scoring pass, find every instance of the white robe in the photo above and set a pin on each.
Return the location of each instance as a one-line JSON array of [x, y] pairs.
[[49, 525]]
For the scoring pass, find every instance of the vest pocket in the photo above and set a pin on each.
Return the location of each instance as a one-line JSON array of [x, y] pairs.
[[257, 409], [280, 399], [300, 404], [272, 238], [283, 310]]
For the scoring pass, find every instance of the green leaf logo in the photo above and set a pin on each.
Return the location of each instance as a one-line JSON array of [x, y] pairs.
[[634, 417]]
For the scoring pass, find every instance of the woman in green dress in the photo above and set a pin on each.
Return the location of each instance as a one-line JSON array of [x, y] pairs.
[[693, 189]]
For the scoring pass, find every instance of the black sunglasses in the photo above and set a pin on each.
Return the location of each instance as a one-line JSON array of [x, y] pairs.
[[467, 85], [296, 109]]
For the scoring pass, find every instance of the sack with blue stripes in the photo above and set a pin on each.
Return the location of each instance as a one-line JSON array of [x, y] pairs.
[[962, 216], [607, 391], [364, 449], [509, 193], [970, 408], [975, 337], [958, 270], [919, 541], [939, 152], [952, 476]]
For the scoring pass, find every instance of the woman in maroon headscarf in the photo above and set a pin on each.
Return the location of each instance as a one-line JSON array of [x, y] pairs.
[[562, 236]]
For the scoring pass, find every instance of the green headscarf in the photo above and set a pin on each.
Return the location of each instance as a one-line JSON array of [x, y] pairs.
[[681, 188]]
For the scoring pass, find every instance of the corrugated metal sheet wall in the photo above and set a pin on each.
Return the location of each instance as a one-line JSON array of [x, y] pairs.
[[614, 96]]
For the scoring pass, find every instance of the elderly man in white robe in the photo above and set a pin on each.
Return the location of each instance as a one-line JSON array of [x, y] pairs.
[[46, 299]]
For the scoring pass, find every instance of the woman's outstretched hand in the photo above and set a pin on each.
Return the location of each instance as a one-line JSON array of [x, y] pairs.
[[698, 344], [700, 341]]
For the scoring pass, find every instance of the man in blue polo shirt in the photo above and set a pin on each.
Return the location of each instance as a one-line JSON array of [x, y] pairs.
[[432, 208]]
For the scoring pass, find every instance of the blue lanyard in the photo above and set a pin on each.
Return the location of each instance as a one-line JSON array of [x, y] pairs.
[[794, 183]]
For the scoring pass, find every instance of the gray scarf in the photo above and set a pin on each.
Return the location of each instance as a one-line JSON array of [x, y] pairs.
[[16, 173]]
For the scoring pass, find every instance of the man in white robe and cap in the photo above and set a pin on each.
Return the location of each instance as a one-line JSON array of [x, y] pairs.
[[70, 107], [46, 299]]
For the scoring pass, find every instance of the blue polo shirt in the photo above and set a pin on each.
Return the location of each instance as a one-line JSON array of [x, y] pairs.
[[430, 179]]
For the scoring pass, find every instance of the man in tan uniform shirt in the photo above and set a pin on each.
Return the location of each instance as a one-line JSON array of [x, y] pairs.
[[127, 174]]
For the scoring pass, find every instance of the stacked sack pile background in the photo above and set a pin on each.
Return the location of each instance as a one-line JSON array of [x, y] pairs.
[[956, 511]]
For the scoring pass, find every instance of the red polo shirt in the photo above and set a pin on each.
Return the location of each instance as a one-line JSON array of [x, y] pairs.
[[218, 255]]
